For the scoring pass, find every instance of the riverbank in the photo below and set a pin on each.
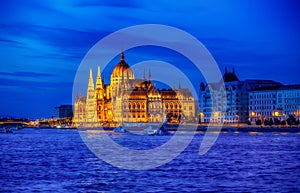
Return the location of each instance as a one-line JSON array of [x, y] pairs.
[[203, 128], [253, 129]]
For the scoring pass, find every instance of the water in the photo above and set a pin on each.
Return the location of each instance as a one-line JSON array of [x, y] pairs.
[[58, 161]]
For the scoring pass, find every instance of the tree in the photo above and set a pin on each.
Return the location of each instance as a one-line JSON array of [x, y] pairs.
[[248, 122], [291, 120], [258, 122], [271, 122], [266, 122], [276, 121]]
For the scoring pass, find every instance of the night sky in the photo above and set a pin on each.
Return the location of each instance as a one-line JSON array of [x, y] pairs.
[[43, 42]]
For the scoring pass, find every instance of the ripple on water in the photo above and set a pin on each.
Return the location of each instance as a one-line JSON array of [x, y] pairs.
[[58, 160]]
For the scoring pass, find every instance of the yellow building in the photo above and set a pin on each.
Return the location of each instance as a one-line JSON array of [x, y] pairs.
[[130, 100]]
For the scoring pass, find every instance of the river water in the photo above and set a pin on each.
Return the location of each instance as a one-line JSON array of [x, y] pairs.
[[59, 161]]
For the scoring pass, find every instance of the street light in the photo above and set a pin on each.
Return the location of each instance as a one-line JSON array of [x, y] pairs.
[[285, 119], [216, 116], [238, 118], [200, 116], [252, 115]]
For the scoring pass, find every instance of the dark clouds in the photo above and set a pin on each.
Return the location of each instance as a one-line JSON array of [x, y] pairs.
[[25, 74]]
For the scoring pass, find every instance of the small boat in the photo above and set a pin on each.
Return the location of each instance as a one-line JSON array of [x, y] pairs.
[[6, 130], [161, 131], [120, 129], [150, 131]]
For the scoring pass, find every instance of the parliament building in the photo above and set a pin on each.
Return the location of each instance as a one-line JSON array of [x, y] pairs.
[[130, 100]]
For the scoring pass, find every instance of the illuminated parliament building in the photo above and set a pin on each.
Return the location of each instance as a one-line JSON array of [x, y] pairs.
[[130, 100]]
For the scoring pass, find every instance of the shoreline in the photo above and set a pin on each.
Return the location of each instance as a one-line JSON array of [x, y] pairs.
[[191, 128]]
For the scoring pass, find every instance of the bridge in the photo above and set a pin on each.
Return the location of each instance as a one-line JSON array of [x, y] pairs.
[[13, 123]]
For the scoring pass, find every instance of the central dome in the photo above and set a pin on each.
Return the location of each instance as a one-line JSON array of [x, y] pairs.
[[122, 68]]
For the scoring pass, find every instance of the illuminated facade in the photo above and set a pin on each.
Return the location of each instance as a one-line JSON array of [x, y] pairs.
[[274, 102], [232, 108], [130, 100]]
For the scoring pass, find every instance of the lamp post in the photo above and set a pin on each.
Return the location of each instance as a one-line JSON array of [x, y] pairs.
[[298, 114], [238, 118], [200, 116], [216, 116], [285, 119], [252, 115]]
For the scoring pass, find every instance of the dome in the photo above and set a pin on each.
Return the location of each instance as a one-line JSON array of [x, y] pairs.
[[122, 68]]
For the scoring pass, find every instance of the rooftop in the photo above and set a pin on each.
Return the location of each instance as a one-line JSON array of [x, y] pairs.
[[230, 76]]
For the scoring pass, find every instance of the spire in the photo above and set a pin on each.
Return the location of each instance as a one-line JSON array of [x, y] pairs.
[[91, 81], [122, 58], [98, 72], [179, 86], [150, 78], [99, 84], [144, 76]]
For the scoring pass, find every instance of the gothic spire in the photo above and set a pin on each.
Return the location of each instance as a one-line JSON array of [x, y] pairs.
[[144, 76], [91, 81], [150, 78], [99, 79]]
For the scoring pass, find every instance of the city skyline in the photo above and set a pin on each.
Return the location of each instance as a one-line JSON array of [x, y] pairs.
[[42, 47]]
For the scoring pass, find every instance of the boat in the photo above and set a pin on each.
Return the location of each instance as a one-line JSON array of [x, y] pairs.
[[161, 131], [6, 130], [120, 129], [150, 131]]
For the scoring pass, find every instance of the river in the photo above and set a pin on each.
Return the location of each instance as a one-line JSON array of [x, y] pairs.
[[59, 161]]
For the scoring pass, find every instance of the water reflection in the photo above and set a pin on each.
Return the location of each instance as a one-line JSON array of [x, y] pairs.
[[58, 160]]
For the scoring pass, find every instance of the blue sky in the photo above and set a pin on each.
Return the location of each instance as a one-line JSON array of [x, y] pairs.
[[43, 42]]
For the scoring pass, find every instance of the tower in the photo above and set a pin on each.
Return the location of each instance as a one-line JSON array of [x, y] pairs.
[[100, 97], [119, 70], [99, 86], [91, 113]]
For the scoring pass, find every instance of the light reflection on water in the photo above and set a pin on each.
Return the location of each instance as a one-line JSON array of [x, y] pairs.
[[58, 160]]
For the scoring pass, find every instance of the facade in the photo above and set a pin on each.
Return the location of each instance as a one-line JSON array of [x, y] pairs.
[[63, 111], [130, 100], [274, 102], [231, 105]]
